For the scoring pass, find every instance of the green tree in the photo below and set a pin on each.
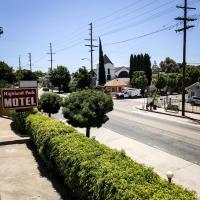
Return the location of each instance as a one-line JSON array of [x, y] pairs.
[[82, 78], [39, 74], [25, 74], [161, 82], [87, 108], [169, 66], [50, 103], [101, 73], [171, 82], [60, 77], [7, 75], [147, 68], [131, 67], [139, 81]]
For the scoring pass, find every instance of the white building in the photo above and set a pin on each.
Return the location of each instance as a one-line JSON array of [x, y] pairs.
[[113, 72], [194, 90]]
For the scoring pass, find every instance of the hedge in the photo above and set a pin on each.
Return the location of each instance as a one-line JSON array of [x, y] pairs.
[[95, 172]]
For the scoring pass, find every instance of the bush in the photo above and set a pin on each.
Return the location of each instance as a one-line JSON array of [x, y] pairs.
[[92, 170], [18, 118]]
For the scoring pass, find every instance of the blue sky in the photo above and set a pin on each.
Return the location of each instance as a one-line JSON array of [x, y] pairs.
[[29, 26]]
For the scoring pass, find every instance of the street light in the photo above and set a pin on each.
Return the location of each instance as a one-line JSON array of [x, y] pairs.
[[169, 175]]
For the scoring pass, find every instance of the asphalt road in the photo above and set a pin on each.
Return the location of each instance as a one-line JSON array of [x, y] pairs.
[[172, 135]]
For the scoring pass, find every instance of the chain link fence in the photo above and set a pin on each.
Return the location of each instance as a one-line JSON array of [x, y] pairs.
[[165, 101]]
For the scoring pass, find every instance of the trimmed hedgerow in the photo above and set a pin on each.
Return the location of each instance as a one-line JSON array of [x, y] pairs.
[[95, 172]]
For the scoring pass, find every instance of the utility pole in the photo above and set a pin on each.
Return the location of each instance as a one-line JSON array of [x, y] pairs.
[[51, 56], [185, 19], [20, 63], [91, 48], [30, 64]]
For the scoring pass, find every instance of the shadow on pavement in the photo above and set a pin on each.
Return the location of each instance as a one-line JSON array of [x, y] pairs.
[[20, 141], [56, 180]]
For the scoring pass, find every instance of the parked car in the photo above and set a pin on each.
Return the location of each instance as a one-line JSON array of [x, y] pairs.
[[45, 89], [129, 93], [194, 100]]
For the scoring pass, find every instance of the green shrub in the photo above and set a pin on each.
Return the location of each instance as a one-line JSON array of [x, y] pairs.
[[18, 118], [95, 172]]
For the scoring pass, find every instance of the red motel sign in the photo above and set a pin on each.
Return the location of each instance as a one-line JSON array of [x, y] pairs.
[[19, 98]]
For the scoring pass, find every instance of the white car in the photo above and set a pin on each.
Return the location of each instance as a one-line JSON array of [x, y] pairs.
[[194, 100]]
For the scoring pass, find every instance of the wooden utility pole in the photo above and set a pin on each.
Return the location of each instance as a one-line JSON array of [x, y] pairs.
[[185, 19], [91, 48], [30, 64], [20, 63], [51, 56]]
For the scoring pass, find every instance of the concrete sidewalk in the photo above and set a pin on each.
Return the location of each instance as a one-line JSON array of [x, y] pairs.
[[185, 173], [22, 174], [192, 116]]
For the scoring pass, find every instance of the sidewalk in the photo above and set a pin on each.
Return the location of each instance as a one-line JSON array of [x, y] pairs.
[[186, 173], [192, 116], [22, 174]]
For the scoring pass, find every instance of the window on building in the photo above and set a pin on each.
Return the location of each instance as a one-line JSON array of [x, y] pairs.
[[108, 71]]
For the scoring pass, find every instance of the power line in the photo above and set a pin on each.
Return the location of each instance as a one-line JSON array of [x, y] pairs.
[[117, 11], [144, 35], [132, 12], [139, 22]]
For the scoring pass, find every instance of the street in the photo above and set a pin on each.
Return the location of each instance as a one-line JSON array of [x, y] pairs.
[[176, 136]]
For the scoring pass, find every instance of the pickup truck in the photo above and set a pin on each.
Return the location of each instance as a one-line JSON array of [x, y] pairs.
[[129, 93]]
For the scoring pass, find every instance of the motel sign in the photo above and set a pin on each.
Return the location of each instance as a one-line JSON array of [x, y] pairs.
[[19, 98]]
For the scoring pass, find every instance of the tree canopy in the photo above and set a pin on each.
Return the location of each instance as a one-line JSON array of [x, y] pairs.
[[161, 82], [169, 66], [60, 77], [50, 103], [87, 108], [101, 73], [25, 74], [139, 80], [82, 78], [6, 73], [142, 63]]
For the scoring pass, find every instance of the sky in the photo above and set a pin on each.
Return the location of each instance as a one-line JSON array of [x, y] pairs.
[[29, 27]]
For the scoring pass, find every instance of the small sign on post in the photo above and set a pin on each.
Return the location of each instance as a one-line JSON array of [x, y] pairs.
[[19, 98]]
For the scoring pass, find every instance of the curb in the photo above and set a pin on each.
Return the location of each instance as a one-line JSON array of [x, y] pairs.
[[184, 117]]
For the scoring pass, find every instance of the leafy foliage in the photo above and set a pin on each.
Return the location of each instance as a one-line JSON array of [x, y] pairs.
[[82, 79], [18, 118], [141, 62], [139, 80], [6, 74], [102, 73], [161, 82], [92, 170], [25, 74], [50, 103], [87, 108], [60, 77], [169, 66]]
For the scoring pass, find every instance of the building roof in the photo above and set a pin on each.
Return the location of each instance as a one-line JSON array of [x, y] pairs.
[[116, 69], [197, 84], [106, 59], [115, 83]]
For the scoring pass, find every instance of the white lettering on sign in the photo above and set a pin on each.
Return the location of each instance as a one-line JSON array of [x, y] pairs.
[[7, 102], [22, 101]]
